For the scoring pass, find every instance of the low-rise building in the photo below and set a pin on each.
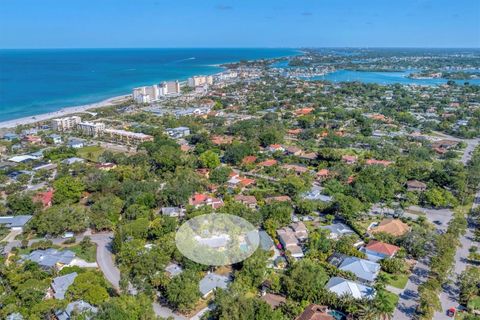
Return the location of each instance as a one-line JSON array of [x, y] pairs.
[[15, 222], [366, 271], [178, 132], [60, 285], [174, 212], [315, 312], [126, 137], [249, 201], [212, 281], [338, 230], [342, 287], [51, 258], [199, 199], [75, 309], [394, 227], [377, 250], [416, 186]]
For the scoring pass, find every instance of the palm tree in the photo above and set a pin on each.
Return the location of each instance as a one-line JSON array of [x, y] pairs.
[[366, 312], [383, 306]]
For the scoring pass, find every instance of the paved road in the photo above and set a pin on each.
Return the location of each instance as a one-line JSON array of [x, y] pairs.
[[450, 293], [105, 258], [467, 153]]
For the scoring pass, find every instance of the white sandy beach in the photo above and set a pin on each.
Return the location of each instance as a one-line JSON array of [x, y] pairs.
[[62, 112]]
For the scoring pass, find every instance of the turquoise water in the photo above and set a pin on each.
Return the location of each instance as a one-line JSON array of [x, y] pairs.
[[337, 314], [384, 78], [39, 81]]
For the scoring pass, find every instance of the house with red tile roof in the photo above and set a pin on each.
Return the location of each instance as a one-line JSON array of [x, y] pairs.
[[323, 174], [268, 163], [377, 250], [303, 111], [199, 199], [45, 198], [278, 199], [32, 139], [249, 160], [275, 148]]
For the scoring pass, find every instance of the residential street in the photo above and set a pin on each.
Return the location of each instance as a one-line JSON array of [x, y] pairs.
[[449, 297]]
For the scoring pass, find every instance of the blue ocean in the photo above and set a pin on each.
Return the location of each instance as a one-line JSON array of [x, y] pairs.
[[39, 81]]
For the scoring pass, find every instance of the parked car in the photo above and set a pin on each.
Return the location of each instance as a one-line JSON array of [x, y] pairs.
[[451, 312], [68, 235]]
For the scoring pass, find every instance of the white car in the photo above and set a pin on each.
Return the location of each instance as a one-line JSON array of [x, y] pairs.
[[68, 235]]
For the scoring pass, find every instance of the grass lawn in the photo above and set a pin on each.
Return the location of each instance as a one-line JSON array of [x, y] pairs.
[[90, 255], [474, 303], [396, 280], [363, 225], [90, 152]]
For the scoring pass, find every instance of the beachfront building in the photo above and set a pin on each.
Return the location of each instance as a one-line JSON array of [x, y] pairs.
[[169, 87], [126, 137], [197, 81], [65, 123], [91, 128], [146, 94]]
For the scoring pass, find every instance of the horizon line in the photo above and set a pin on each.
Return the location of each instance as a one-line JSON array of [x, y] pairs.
[[246, 47]]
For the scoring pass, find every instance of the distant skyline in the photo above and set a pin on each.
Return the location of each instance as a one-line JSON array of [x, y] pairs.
[[239, 23]]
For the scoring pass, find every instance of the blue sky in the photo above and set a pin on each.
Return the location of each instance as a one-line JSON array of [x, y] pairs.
[[239, 23]]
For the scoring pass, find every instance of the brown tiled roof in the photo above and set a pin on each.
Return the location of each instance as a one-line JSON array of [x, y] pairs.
[[395, 227], [315, 312], [274, 300]]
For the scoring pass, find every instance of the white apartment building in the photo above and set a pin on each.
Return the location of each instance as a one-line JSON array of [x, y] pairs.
[[146, 94], [197, 81], [126, 137], [91, 128], [153, 93], [169, 87], [66, 123]]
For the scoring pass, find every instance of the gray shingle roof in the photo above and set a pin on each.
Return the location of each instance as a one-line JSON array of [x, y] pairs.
[[212, 281], [50, 257], [363, 269], [339, 229], [60, 285], [15, 221]]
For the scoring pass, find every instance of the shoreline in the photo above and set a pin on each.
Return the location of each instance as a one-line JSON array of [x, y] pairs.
[[9, 124]]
